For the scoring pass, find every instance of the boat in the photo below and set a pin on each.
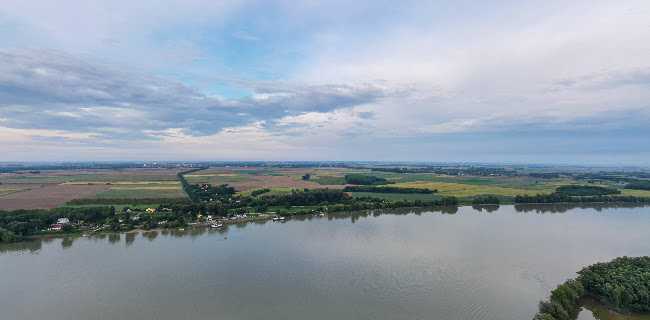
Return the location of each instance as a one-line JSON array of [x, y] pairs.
[[216, 225], [276, 218], [281, 218]]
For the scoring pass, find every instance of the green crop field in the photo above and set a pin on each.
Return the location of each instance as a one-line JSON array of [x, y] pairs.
[[8, 191], [328, 180], [461, 190], [273, 191]]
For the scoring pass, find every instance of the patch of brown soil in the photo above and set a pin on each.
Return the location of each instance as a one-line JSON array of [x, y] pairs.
[[48, 197]]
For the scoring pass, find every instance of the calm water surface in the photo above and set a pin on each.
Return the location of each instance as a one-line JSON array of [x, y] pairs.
[[424, 264]]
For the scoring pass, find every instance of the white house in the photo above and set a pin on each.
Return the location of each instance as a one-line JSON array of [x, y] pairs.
[[63, 220]]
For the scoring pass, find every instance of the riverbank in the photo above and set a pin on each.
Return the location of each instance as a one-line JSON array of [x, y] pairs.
[[269, 216]]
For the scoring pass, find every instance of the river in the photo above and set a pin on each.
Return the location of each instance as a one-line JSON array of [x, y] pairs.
[[458, 263]]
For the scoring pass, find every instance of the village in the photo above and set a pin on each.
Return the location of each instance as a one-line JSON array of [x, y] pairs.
[[144, 221]]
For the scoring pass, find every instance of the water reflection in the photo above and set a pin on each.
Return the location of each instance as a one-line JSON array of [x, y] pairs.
[[590, 309], [114, 238], [130, 239], [32, 247], [67, 242], [562, 208], [487, 207], [150, 235]]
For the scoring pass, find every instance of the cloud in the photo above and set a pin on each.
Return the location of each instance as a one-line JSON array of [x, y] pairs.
[[83, 94], [329, 78], [245, 36]]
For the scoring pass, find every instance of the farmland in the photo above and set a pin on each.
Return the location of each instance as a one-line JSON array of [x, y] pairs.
[[52, 188]]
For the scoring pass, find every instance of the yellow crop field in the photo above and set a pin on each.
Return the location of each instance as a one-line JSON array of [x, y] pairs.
[[466, 190]]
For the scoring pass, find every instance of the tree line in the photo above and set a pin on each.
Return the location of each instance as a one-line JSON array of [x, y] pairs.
[[486, 200], [582, 191], [365, 179], [565, 198], [638, 186], [389, 190]]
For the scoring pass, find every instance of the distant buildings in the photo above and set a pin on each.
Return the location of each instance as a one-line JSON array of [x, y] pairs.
[[151, 209], [63, 220]]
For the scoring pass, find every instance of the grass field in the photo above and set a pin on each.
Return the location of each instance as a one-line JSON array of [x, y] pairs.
[[273, 191], [636, 193], [328, 180], [461, 190]]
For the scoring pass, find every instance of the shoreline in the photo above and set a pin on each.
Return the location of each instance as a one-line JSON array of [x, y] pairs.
[[263, 217]]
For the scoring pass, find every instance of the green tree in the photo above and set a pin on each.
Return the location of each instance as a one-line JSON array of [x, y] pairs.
[[67, 228], [554, 309]]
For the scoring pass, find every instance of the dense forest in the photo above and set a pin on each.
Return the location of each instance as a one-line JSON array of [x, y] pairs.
[[486, 200], [638, 186], [389, 190], [15, 225], [365, 179], [622, 284], [584, 191]]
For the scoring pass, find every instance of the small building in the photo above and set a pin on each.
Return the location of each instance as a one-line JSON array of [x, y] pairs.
[[63, 220], [120, 219], [54, 227], [151, 209]]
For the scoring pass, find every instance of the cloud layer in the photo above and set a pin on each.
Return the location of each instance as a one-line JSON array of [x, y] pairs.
[[328, 81]]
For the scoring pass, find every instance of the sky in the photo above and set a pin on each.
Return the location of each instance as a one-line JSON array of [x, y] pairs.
[[561, 82]]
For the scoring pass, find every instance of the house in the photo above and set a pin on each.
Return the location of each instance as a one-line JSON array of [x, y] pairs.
[[63, 220], [151, 209], [54, 227], [120, 219]]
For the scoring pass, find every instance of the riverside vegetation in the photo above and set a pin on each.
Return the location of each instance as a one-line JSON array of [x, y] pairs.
[[623, 285]]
